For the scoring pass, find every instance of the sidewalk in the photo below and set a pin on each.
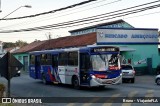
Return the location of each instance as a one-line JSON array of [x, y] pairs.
[[24, 72], [145, 78]]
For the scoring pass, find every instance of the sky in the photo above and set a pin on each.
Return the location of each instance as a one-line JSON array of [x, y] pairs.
[[145, 19]]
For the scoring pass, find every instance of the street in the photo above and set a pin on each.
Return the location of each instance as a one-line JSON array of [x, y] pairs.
[[144, 86]]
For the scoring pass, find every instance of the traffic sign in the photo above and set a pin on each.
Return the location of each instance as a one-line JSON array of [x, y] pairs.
[[9, 66]]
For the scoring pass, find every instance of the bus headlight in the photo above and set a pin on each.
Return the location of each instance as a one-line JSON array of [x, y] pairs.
[[93, 76]]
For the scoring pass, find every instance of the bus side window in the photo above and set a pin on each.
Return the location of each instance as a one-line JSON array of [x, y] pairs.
[[84, 61], [55, 60], [63, 59], [73, 58], [32, 59], [45, 59]]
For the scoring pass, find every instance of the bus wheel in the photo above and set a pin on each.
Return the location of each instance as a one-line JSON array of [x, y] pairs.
[[75, 82], [102, 87], [44, 79]]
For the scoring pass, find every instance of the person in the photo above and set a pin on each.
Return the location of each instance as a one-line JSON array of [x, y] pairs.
[[158, 69], [113, 59]]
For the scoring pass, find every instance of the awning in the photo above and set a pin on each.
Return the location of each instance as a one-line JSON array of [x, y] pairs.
[[125, 48]]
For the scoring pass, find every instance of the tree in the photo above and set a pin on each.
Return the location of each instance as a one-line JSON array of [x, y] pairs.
[[20, 43], [8, 45]]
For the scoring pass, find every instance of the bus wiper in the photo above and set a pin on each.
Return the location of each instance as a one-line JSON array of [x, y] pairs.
[[103, 59]]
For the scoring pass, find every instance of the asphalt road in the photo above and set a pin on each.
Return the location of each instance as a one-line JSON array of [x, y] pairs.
[[144, 86]]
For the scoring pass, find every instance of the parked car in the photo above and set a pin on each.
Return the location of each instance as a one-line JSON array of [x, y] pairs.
[[18, 73], [128, 73], [157, 79]]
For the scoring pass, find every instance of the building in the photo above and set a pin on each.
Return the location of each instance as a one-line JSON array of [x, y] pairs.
[[139, 46], [144, 56], [1, 49], [11, 49], [1, 46], [22, 53], [91, 29]]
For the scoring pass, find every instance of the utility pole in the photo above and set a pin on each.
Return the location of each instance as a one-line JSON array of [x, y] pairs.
[[0, 6], [48, 35], [8, 74]]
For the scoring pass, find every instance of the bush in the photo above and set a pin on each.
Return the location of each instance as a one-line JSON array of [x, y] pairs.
[[2, 89]]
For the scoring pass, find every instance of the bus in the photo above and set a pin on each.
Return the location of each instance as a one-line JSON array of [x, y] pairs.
[[91, 66]]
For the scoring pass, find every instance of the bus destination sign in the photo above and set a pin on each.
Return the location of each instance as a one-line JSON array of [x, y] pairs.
[[105, 49]]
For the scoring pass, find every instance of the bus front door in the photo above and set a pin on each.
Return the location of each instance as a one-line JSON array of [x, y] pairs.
[[37, 67], [55, 68], [84, 68]]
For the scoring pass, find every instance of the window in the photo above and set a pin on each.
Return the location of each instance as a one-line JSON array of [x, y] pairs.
[[19, 58], [46, 59], [62, 59], [32, 59], [84, 61], [103, 62], [73, 58], [54, 60], [126, 67]]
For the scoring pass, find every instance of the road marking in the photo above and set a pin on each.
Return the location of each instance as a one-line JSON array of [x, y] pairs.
[[131, 94], [89, 104], [111, 100], [71, 104], [149, 93]]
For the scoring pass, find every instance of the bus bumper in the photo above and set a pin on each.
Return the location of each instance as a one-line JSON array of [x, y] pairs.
[[100, 82]]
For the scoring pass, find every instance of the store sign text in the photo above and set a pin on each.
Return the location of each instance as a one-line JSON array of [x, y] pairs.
[[133, 36]]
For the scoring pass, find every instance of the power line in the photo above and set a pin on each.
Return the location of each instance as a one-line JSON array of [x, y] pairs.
[[94, 20], [143, 15], [87, 20], [68, 13], [52, 11], [58, 36], [90, 18]]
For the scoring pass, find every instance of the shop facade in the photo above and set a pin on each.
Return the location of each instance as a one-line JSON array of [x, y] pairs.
[[138, 46]]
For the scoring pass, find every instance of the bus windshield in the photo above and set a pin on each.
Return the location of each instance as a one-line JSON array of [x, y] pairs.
[[104, 62]]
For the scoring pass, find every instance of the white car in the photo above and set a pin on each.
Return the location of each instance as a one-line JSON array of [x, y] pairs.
[[18, 73], [128, 73], [157, 79]]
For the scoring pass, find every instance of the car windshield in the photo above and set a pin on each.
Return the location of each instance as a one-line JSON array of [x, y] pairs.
[[126, 67], [102, 62]]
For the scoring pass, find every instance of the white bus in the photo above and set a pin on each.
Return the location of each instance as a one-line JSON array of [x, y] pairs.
[[85, 66]]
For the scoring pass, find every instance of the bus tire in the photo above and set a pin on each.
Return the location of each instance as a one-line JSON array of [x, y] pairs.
[[44, 79], [75, 82], [102, 87], [132, 80]]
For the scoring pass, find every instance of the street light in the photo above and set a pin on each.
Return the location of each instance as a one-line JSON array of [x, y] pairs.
[[27, 6]]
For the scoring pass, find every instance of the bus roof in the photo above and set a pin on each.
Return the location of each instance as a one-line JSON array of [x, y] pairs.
[[69, 49]]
